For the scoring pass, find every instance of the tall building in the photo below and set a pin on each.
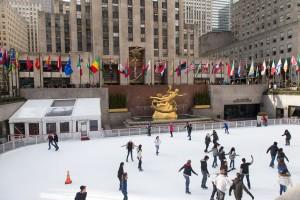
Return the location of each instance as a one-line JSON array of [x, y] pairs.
[[221, 15], [13, 32], [263, 30], [29, 10], [198, 12]]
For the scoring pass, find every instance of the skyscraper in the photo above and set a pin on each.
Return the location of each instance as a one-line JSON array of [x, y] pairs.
[[198, 12], [221, 15]]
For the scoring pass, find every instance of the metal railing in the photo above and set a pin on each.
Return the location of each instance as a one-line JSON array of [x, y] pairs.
[[16, 143]]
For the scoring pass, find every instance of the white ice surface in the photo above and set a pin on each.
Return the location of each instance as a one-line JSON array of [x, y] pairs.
[[33, 172]]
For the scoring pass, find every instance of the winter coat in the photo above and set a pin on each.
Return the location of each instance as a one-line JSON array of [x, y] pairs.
[[245, 168], [187, 170], [190, 128], [139, 153], [281, 156], [285, 180], [215, 151], [204, 166], [124, 186], [221, 155], [171, 128], [273, 150], [215, 137], [157, 142], [222, 182], [50, 138], [55, 138], [207, 139], [225, 125], [232, 155], [120, 172], [130, 146], [80, 196], [238, 187], [287, 134]]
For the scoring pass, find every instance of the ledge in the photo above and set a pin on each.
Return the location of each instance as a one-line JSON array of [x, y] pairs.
[[118, 110], [202, 106]]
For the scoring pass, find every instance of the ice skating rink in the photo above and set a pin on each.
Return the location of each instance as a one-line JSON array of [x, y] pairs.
[[33, 172]]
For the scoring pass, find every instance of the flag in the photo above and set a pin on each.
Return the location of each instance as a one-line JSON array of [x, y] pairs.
[[37, 63], [180, 67], [205, 68], [298, 63], [1, 56], [294, 63], [48, 63], [191, 67], [264, 68], [127, 70], [59, 64], [5, 59], [198, 68], [88, 66], [231, 72], [239, 69], [68, 68], [273, 68], [29, 64], [95, 65], [78, 65], [285, 66], [278, 67], [146, 68], [257, 72], [251, 70], [17, 63], [163, 69], [217, 67], [124, 70]]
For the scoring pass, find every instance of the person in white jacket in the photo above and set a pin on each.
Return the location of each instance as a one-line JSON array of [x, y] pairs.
[[222, 183], [157, 143]]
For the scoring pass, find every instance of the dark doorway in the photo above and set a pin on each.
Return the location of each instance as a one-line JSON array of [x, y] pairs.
[[279, 113], [241, 111], [294, 111]]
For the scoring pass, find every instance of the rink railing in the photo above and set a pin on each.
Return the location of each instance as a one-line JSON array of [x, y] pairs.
[[16, 143]]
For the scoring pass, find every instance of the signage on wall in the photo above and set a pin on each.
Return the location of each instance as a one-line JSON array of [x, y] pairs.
[[242, 100]]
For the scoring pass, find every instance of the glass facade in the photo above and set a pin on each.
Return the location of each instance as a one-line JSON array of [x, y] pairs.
[[241, 111], [221, 15]]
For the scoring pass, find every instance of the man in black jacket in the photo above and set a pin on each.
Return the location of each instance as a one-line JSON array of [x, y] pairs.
[[130, 146], [82, 194], [50, 141], [273, 151], [187, 172], [204, 172], [238, 187], [55, 140], [245, 170], [288, 137]]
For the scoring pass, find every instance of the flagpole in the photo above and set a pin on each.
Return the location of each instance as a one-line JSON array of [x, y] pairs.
[[187, 71], [40, 70]]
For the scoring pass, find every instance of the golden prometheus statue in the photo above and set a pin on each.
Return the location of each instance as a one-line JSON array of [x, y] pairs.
[[165, 105]]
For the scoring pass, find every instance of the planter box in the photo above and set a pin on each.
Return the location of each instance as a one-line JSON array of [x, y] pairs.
[[116, 110], [202, 106]]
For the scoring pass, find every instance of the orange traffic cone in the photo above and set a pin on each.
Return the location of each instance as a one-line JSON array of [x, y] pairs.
[[68, 180]]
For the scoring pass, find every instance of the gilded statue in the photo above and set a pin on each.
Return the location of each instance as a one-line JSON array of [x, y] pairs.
[[165, 105]]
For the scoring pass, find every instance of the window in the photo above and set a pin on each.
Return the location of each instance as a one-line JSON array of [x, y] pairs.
[[64, 127], [93, 125], [274, 51], [274, 39], [289, 34], [33, 129], [281, 36], [50, 128], [289, 48], [281, 49]]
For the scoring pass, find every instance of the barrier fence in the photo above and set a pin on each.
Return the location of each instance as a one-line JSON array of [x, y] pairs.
[[17, 142]]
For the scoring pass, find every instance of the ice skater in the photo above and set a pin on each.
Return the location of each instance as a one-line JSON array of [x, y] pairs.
[[237, 187], [215, 137], [273, 149], [245, 170], [226, 127], [281, 155], [129, 146], [124, 186], [284, 177], [55, 140], [51, 141], [207, 142], [189, 128], [139, 157], [82, 194], [288, 137], [187, 172], [222, 183], [157, 143], [120, 174], [171, 129], [221, 154], [224, 166], [204, 172], [232, 154], [149, 126], [215, 152]]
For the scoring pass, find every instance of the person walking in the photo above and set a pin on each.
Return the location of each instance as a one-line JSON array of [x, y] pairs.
[[237, 187], [245, 170], [232, 155], [284, 177], [139, 157], [120, 174], [55, 140], [222, 183], [215, 152], [187, 172], [124, 186], [51, 141], [82, 194], [157, 143], [204, 172], [207, 142], [215, 137], [281, 155], [288, 137], [149, 126], [226, 127], [273, 149], [171, 129], [130, 146]]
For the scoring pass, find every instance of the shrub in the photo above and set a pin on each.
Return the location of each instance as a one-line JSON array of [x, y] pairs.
[[117, 101]]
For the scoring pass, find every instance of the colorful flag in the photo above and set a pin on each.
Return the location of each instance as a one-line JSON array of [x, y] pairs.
[[78, 65], [217, 67], [48, 63], [191, 67], [285, 66], [37, 63], [180, 67], [205, 69], [95, 65], [29, 64], [264, 68], [257, 72], [68, 68], [164, 69], [231, 73], [1, 56], [240, 69], [273, 68], [251, 70], [59, 63], [146, 68], [5, 59], [298, 63], [294, 62], [278, 67]]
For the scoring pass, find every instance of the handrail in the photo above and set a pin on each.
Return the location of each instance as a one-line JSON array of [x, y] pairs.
[[17, 142]]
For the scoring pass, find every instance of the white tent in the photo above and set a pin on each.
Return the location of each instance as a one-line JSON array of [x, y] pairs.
[[43, 116]]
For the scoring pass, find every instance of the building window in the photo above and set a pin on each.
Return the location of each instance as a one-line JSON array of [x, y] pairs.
[[93, 125], [274, 39], [289, 34], [274, 51], [281, 49], [64, 127], [50, 128], [34, 129], [281, 36], [289, 48]]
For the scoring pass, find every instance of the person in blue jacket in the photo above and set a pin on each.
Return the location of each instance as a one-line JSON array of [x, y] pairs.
[[226, 128], [124, 186]]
